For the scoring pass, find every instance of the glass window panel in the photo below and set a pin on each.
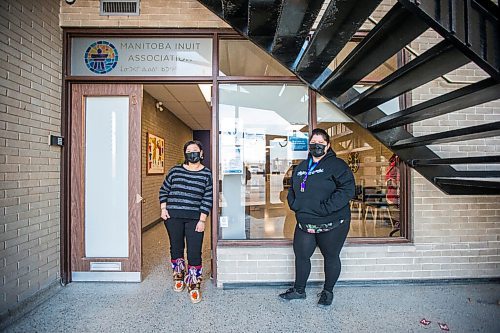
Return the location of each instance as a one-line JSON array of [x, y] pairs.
[[243, 58], [329, 113], [376, 208], [263, 135]]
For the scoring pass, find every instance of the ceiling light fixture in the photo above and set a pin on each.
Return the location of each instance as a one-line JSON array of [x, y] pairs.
[[282, 90], [159, 106], [206, 90]]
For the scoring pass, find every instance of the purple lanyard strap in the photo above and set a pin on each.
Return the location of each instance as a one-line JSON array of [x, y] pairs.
[[310, 169]]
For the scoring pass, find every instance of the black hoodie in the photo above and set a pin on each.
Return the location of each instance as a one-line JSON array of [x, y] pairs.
[[329, 188]]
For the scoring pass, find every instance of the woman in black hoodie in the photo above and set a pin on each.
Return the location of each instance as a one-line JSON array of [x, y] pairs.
[[322, 187]]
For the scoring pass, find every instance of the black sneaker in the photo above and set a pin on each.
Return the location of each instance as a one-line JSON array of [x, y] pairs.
[[325, 298], [292, 294]]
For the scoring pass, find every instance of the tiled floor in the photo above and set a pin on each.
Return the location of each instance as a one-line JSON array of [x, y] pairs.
[[279, 222]]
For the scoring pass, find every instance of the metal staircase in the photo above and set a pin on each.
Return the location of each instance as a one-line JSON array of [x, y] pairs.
[[470, 31]]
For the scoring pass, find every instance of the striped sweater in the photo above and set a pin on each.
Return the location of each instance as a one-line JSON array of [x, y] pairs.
[[187, 193]]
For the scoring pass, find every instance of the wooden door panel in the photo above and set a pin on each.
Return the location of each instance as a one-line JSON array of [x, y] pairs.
[[80, 263]]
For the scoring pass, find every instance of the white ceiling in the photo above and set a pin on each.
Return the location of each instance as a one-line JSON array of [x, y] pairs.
[[185, 101]]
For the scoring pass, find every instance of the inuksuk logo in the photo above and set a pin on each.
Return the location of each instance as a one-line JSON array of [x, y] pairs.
[[101, 57]]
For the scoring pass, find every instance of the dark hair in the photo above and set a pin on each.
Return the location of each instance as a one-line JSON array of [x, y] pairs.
[[192, 142], [322, 132]]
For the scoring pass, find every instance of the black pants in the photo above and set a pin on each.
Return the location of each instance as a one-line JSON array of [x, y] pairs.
[[178, 229], [330, 243]]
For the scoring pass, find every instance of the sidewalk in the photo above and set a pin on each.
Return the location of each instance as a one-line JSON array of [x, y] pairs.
[[152, 306]]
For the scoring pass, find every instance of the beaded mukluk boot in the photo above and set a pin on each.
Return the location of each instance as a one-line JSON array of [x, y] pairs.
[[193, 281], [179, 269]]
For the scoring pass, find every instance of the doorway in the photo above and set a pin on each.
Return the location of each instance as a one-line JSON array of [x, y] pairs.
[[175, 113], [124, 140]]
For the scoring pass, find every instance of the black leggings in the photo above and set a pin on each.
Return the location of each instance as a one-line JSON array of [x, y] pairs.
[[178, 229], [330, 243]]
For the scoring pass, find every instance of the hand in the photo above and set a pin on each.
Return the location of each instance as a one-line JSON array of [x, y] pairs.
[[200, 226], [164, 214]]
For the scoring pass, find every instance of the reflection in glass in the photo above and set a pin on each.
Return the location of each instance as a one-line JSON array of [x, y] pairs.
[[243, 58], [376, 208], [262, 135]]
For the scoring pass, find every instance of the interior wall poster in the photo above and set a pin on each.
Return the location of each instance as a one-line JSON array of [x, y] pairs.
[[155, 155]]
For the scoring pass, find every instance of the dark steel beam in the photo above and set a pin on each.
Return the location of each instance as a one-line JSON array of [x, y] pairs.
[[440, 59], [235, 12], [478, 174], [455, 160], [294, 24], [465, 186], [396, 29], [473, 26], [262, 21], [339, 23], [395, 134], [474, 94], [462, 134]]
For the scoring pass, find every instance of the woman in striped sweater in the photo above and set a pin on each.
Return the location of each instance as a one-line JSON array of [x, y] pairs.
[[186, 200]]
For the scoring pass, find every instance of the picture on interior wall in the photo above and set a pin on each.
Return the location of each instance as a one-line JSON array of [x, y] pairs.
[[155, 155]]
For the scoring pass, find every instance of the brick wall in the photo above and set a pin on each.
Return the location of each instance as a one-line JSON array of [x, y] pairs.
[[30, 110], [368, 262], [166, 125], [153, 13]]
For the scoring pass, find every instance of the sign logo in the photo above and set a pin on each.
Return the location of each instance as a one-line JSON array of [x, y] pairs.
[[101, 57]]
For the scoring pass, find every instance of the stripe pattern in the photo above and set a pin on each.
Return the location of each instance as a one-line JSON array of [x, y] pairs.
[[187, 193]]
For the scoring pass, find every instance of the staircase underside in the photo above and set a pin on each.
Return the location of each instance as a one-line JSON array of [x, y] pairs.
[[470, 31]]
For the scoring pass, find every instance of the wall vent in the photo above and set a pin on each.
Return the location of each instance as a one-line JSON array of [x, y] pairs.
[[119, 7], [105, 266]]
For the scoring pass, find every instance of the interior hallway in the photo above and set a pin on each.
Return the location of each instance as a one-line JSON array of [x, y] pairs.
[[156, 253], [152, 306]]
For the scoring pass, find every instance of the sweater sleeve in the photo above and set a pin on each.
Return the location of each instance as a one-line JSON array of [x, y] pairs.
[[344, 192], [207, 200], [165, 187]]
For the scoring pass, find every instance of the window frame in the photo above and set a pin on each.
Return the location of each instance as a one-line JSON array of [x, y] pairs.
[[404, 101], [215, 80]]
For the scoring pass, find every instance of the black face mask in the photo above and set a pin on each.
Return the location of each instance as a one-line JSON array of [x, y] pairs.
[[317, 149], [193, 157]]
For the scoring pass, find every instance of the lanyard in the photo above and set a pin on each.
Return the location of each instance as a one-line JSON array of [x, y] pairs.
[[310, 169]]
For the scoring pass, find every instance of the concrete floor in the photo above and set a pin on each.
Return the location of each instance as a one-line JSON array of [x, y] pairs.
[[152, 306]]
